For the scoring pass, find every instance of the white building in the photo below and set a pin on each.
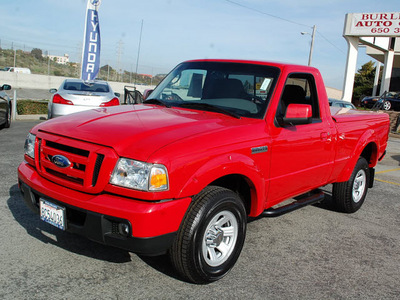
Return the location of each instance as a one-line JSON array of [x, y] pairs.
[[62, 60], [380, 33]]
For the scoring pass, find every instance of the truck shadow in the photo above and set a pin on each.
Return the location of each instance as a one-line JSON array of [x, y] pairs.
[[51, 235], [397, 158], [74, 243]]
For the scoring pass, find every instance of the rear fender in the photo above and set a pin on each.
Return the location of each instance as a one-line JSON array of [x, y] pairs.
[[229, 164], [367, 138]]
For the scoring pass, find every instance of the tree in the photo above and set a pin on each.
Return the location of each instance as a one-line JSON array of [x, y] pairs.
[[37, 53], [364, 81]]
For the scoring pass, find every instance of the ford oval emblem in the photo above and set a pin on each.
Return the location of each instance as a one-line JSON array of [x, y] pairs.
[[60, 161]]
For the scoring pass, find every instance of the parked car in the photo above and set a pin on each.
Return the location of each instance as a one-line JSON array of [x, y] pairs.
[[369, 101], [17, 70], [75, 95], [5, 106], [390, 101], [341, 103], [387, 101]]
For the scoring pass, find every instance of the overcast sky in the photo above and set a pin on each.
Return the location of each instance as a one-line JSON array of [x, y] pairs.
[[178, 30]]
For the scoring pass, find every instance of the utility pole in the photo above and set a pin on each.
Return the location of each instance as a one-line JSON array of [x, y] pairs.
[[312, 43], [137, 60], [119, 52], [48, 63]]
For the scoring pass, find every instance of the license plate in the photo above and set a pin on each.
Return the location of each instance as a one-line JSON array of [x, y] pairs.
[[52, 214]]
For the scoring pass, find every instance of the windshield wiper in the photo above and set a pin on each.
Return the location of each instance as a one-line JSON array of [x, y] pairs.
[[209, 107], [157, 102]]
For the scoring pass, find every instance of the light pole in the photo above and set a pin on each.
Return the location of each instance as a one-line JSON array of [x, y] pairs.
[[312, 43]]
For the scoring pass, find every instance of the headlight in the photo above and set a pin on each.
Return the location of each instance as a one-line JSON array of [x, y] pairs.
[[139, 175], [30, 145]]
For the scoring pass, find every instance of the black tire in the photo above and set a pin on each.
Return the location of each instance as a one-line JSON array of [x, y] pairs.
[[349, 196], [8, 119], [215, 221]]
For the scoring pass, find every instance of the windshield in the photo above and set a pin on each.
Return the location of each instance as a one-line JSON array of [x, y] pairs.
[[239, 88]]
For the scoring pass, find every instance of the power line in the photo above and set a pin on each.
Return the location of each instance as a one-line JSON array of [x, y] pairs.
[[319, 33], [282, 19], [267, 14]]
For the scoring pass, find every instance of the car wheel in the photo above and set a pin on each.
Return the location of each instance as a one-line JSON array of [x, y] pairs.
[[387, 105], [8, 119], [211, 236], [350, 195]]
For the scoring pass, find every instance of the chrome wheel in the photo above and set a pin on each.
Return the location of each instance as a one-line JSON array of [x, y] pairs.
[[359, 185], [220, 238], [387, 105]]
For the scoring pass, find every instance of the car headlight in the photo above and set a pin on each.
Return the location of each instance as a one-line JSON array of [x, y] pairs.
[[30, 145], [140, 175]]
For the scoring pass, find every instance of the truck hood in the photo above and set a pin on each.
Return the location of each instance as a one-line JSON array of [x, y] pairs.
[[136, 131]]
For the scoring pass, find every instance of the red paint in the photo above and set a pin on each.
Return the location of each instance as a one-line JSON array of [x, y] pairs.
[[198, 148]]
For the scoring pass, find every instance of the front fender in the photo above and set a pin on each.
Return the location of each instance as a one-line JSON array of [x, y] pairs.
[[229, 164]]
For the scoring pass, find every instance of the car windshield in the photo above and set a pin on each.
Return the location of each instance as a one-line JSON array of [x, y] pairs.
[[240, 89], [87, 87]]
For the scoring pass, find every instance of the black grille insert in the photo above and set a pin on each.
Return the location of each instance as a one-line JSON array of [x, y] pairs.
[[68, 149], [97, 166]]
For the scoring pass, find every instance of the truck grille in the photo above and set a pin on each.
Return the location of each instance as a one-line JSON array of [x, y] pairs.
[[76, 164]]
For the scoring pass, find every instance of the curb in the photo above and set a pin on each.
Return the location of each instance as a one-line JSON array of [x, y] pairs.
[[30, 117]]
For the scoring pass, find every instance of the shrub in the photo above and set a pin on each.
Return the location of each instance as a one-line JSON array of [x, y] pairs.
[[31, 107]]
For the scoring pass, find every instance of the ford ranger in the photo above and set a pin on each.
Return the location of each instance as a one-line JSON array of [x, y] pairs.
[[216, 142]]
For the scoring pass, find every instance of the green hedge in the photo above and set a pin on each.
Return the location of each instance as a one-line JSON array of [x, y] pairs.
[[31, 107]]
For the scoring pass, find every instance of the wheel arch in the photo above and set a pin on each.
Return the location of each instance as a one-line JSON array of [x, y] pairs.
[[237, 173], [367, 148], [239, 184]]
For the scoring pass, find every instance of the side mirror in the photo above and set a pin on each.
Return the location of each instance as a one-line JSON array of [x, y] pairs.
[[117, 94], [6, 87], [146, 94], [297, 114], [53, 91]]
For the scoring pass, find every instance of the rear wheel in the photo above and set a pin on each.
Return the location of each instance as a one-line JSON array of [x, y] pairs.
[[211, 236], [387, 105], [350, 195]]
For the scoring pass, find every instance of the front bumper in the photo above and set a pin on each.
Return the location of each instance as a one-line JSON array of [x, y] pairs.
[[152, 225]]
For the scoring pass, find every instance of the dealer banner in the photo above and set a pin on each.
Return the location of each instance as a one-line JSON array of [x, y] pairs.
[[91, 42]]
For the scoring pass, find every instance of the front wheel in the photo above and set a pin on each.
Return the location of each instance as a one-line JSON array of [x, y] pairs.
[[350, 195], [211, 236]]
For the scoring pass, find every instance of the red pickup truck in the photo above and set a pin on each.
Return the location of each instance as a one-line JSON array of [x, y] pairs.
[[216, 142]]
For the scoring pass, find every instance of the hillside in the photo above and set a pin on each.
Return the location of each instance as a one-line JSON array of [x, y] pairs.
[[42, 65]]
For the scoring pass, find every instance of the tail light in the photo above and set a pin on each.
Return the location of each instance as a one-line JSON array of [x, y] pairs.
[[60, 100], [112, 102]]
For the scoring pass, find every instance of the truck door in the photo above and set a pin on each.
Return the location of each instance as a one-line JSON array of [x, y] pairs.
[[301, 155]]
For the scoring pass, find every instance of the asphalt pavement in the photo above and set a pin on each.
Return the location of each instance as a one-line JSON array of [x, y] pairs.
[[312, 253]]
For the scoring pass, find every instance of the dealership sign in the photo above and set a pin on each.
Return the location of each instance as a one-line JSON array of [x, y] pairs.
[[373, 24], [91, 42]]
